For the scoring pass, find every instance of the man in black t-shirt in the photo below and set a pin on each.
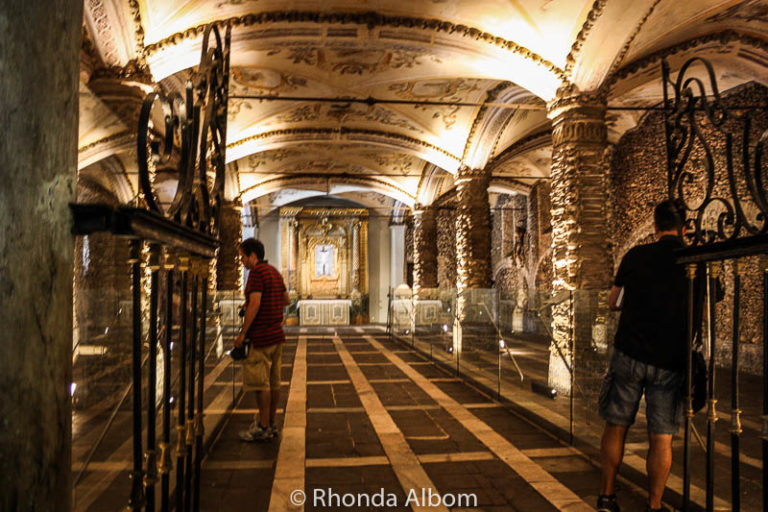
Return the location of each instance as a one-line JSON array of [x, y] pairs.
[[649, 356]]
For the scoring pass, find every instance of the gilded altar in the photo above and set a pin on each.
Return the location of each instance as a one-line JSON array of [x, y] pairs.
[[325, 258]]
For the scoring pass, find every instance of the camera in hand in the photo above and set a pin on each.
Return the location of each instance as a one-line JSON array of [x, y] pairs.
[[239, 353]]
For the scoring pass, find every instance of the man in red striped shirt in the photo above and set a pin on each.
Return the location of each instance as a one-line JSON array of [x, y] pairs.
[[265, 298]]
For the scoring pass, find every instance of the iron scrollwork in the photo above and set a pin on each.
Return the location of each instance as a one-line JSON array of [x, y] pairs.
[[723, 200], [184, 137]]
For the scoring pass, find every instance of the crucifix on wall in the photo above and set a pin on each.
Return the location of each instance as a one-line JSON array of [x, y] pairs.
[[324, 260]]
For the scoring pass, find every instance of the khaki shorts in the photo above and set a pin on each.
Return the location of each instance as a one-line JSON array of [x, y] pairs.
[[261, 369]]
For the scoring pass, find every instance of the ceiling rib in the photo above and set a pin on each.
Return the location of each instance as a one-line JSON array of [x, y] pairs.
[[374, 101]]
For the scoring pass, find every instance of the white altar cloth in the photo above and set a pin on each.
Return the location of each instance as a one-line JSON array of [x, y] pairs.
[[324, 311]]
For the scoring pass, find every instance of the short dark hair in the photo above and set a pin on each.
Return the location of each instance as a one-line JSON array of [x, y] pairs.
[[669, 215], [250, 246]]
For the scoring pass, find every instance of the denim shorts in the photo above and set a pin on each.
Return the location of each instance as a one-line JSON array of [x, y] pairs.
[[623, 386]]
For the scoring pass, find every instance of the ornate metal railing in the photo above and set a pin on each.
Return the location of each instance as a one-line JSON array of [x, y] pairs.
[[180, 137], [719, 182], [716, 173]]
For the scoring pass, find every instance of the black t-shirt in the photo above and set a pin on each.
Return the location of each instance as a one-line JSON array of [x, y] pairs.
[[652, 326]]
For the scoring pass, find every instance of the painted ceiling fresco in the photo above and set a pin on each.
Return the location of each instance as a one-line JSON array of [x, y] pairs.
[[504, 60]]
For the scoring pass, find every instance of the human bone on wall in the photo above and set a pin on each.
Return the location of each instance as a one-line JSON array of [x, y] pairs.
[[639, 182]]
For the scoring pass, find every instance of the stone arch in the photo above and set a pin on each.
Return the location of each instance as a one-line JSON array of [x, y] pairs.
[[393, 141], [110, 176], [330, 185], [181, 50]]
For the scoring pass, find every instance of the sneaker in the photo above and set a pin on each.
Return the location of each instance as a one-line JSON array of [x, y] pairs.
[[256, 433], [607, 503], [273, 430]]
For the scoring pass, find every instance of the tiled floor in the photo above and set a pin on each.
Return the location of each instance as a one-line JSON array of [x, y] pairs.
[[370, 425]]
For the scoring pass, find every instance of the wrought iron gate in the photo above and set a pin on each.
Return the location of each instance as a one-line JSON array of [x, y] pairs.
[[183, 136], [716, 170]]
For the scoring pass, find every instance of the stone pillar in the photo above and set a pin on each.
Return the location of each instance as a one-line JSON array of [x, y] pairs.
[[288, 242], [580, 237], [424, 248], [473, 230], [364, 256], [39, 57], [446, 246], [397, 257], [473, 258], [356, 256], [294, 226], [228, 275], [473, 237]]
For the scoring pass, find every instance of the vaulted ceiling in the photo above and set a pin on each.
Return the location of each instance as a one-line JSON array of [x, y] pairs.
[[512, 52]]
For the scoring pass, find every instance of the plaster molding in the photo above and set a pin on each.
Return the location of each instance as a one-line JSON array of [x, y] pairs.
[[490, 97], [468, 174], [323, 212], [314, 179], [594, 13], [500, 132], [106, 20], [345, 134], [529, 143], [370, 20], [113, 144], [569, 97], [138, 29], [89, 57], [134, 70], [513, 185], [725, 37], [628, 43]]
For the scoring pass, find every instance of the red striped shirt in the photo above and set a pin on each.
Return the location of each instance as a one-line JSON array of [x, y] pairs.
[[267, 327]]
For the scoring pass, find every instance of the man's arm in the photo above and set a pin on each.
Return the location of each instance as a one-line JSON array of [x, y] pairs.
[[613, 298], [616, 297], [254, 302]]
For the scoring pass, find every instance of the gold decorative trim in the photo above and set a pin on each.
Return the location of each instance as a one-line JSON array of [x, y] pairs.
[[138, 30], [332, 212], [466, 173], [725, 37], [135, 69], [569, 97], [341, 133], [290, 211], [371, 20], [594, 13], [105, 140], [589, 131]]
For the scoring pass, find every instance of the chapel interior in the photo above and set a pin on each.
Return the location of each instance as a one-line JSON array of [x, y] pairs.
[[447, 188]]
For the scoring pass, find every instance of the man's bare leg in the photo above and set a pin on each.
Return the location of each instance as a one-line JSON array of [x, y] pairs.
[[611, 454], [658, 465], [275, 399], [264, 407]]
